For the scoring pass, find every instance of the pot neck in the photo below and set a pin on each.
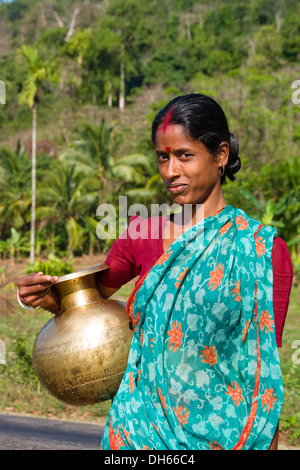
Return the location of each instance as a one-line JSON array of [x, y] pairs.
[[77, 292]]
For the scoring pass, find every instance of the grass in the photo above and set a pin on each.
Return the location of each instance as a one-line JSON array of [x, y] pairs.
[[20, 391], [290, 366]]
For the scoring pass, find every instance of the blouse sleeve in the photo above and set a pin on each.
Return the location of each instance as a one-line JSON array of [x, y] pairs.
[[282, 284], [121, 261]]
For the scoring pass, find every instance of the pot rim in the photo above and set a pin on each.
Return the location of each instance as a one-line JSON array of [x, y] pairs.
[[82, 272]]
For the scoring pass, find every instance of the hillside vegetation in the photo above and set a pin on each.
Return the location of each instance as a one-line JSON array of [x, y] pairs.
[[101, 70]]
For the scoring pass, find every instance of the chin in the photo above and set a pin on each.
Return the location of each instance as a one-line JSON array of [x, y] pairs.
[[182, 200]]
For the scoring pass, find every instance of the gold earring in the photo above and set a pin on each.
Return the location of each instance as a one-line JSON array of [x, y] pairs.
[[221, 170]]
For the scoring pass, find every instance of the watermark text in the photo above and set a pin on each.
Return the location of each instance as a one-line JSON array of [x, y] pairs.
[[2, 92], [296, 94], [296, 354], [183, 217]]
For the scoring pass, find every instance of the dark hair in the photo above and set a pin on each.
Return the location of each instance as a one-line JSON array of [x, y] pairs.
[[204, 120]]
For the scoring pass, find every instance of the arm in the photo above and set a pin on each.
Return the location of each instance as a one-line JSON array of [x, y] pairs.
[[35, 289], [122, 266], [282, 284], [107, 291]]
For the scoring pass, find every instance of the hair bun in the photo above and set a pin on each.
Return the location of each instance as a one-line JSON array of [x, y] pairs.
[[234, 146], [234, 161]]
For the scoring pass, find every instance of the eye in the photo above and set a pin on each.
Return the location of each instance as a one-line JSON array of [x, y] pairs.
[[186, 155], [162, 156]]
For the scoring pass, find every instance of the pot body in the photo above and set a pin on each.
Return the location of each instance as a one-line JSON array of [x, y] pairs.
[[81, 354]]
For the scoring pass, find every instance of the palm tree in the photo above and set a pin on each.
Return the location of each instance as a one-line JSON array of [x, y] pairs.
[[93, 153], [68, 203], [14, 189], [38, 72]]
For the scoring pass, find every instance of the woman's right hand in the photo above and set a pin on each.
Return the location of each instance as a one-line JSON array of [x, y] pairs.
[[35, 290]]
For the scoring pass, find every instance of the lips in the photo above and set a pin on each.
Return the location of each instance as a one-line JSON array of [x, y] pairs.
[[177, 187]]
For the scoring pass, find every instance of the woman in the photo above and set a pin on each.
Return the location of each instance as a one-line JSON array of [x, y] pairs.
[[203, 370]]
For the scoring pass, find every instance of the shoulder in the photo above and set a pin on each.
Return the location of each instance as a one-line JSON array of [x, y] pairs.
[[253, 226], [281, 259]]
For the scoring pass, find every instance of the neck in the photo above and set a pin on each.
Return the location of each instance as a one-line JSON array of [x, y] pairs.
[[192, 214]]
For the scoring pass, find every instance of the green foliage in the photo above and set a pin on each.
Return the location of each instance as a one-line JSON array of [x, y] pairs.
[[15, 186], [53, 266], [242, 53], [16, 9], [21, 364], [291, 36], [291, 418], [16, 246]]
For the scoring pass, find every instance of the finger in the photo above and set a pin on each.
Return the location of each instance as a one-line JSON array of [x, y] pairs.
[[35, 289], [37, 279], [36, 299]]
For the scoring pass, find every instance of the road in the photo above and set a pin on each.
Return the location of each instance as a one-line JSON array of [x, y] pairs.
[[26, 433]]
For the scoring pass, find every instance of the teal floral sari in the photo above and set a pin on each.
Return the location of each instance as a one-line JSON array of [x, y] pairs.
[[203, 370]]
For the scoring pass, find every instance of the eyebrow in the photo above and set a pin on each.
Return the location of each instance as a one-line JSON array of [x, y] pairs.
[[176, 151]]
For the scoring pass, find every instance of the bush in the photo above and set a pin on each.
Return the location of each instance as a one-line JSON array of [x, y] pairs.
[[53, 266]]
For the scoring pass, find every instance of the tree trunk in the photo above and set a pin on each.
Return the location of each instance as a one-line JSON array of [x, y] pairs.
[[109, 97], [72, 24], [33, 186], [58, 19], [122, 87]]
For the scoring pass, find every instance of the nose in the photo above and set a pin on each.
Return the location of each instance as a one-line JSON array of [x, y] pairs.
[[173, 168]]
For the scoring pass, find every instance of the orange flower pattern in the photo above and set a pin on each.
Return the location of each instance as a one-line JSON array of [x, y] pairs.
[[245, 330], [242, 222], [269, 399], [115, 440], [203, 371], [175, 336], [182, 415], [162, 399], [135, 320], [216, 277], [265, 321], [235, 392], [237, 290], [260, 246], [215, 446], [210, 355], [225, 228], [131, 383]]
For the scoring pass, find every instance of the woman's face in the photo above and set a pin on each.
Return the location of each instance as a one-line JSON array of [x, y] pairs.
[[188, 170]]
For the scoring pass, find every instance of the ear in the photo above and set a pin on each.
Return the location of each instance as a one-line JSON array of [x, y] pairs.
[[223, 153]]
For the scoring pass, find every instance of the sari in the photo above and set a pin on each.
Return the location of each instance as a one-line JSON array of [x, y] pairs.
[[203, 370]]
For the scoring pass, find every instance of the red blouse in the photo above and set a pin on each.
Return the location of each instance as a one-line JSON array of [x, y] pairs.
[[130, 257]]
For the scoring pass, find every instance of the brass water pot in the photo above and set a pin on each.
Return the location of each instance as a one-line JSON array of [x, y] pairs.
[[81, 354]]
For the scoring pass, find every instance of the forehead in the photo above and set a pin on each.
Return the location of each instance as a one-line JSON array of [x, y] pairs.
[[172, 136]]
